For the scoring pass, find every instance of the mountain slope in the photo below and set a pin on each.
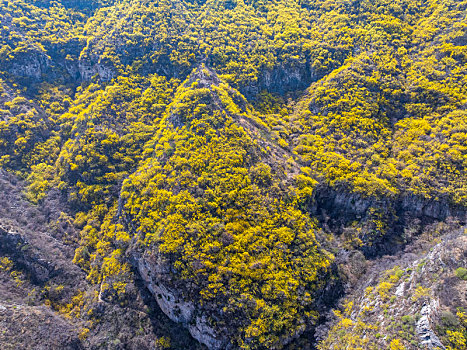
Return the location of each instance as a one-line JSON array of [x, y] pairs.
[[225, 173], [219, 224]]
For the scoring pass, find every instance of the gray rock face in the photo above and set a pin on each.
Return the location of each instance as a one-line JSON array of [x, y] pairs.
[[341, 201], [439, 210], [339, 209], [13, 243], [282, 79], [205, 334], [154, 272], [170, 303], [428, 338], [87, 70], [30, 65]]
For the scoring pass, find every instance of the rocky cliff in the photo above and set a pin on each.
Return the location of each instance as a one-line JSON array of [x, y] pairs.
[[415, 298]]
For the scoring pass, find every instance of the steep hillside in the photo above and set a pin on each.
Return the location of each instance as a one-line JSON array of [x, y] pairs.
[[220, 229], [45, 300], [233, 174], [411, 300]]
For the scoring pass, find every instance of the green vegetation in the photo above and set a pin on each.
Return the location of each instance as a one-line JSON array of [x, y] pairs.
[[390, 120], [453, 329], [222, 216], [198, 134], [461, 272]]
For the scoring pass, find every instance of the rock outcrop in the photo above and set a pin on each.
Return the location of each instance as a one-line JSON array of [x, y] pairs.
[[154, 273], [412, 296], [428, 338], [38, 280], [405, 216], [30, 64]]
